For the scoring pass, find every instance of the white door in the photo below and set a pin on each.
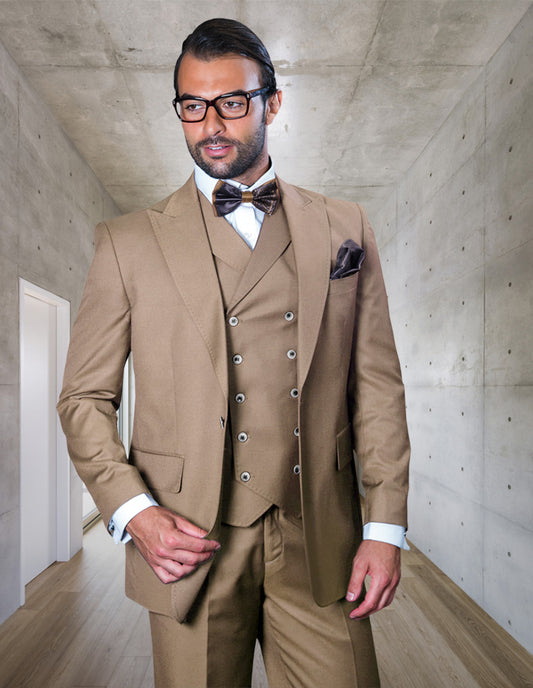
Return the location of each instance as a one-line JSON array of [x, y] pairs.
[[38, 437], [45, 473]]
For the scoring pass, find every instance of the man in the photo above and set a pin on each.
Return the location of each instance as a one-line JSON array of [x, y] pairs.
[[263, 356]]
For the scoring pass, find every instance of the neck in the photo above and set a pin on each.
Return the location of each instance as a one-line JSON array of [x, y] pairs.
[[257, 170]]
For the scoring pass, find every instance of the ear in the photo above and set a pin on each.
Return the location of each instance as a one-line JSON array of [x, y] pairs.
[[273, 105]]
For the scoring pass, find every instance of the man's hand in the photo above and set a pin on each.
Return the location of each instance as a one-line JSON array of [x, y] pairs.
[[171, 545], [382, 563]]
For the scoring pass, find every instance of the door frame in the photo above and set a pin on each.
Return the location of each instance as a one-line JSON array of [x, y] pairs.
[[66, 543]]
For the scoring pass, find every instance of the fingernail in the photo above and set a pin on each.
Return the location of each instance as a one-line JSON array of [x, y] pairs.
[[350, 597]]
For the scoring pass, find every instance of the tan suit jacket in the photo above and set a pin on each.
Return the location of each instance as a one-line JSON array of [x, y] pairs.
[[153, 290]]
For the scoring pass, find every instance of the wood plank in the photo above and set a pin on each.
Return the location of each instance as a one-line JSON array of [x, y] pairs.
[[471, 626], [16, 623], [139, 643], [90, 654], [130, 672], [417, 657]]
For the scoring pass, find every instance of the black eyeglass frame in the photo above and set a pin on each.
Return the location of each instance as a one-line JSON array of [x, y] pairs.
[[208, 103]]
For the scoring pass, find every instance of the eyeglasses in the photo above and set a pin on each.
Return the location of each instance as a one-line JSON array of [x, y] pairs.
[[229, 105]]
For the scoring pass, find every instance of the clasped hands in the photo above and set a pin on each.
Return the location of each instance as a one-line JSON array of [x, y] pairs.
[[174, 548]]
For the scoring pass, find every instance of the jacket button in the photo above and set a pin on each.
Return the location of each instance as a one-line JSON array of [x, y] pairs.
[[289, 315], [296, 470], [294, 393], [239, 398], [291, 353], [233, 321], [245, 476], [237, 359], [242, 437], [297, 432]]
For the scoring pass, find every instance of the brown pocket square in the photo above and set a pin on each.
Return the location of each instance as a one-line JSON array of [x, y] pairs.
[[349, 260]]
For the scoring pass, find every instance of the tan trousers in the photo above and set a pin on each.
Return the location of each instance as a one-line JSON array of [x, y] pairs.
[[258, 588]]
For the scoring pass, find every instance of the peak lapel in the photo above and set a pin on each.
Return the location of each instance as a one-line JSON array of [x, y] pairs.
[[180, 231], [309, 229]]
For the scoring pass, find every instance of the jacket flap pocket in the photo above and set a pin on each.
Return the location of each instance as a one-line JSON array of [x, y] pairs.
[[159, 471], [344, 447]]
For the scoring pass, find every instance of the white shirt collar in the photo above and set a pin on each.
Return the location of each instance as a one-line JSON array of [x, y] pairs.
[[206, 183]]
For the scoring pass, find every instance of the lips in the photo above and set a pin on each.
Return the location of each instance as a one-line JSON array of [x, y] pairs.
[[215, 147], [218, 150]]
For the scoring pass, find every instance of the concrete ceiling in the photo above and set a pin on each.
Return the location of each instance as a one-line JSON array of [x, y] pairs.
[[366, 82]]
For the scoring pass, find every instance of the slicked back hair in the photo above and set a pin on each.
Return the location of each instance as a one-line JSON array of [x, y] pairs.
[[218, 37]]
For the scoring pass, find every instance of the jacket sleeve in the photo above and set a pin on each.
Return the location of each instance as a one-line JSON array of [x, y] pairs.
[[377, 395], [92, 384]]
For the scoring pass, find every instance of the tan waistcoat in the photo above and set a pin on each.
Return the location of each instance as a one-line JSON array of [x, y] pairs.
[[260, 294]]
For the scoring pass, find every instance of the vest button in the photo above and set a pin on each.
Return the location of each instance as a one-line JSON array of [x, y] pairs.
[[296, 470], [294, 393], [289, 315], [297, 432], [242, 437], [291, 353], [239, 398], [233, 321], [237, 359], [245, 476]]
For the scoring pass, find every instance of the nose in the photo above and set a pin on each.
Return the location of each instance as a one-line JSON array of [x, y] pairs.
[[213, 122]]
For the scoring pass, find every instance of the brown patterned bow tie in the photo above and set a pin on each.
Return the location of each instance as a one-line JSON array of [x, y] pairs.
[[227, 197]]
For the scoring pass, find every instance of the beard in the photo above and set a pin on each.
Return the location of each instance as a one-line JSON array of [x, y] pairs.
[[248, 151]]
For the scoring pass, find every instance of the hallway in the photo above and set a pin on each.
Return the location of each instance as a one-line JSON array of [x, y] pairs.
[[420, 110], [78, 630]]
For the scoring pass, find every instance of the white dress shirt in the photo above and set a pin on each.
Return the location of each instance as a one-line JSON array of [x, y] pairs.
[[246, 220]]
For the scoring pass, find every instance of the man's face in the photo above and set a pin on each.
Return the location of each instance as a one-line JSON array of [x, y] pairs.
[[227, 149]]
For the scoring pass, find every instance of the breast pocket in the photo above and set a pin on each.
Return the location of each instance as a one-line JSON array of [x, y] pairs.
[[343, 285], [160, 472], [339, 311]]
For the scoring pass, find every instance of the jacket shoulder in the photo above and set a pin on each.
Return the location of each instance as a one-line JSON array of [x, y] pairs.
[[340, 212], [128, 222], [139, 220], [333, 204]]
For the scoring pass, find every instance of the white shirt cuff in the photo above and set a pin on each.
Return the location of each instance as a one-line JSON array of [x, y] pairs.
[[124, 514], [386, 532]]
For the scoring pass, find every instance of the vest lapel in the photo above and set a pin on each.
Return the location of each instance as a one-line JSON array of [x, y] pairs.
[[226, 244], [310, 234], [273, 240], [180, 231]]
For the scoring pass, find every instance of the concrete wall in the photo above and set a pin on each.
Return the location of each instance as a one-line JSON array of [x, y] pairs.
[[457, 246], [50, 201]]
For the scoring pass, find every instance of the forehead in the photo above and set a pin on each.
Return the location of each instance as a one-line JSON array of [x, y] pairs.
[[209, 78]]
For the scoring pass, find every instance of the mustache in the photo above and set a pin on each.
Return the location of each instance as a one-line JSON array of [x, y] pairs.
[[216, 141]]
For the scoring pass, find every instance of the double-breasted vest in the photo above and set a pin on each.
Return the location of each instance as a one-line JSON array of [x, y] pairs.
[[260, 295]]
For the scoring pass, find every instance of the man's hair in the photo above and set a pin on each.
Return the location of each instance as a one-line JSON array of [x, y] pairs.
[[218, 37]]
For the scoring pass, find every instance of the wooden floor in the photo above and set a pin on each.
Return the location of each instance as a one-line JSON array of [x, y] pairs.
[[77, 629]]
